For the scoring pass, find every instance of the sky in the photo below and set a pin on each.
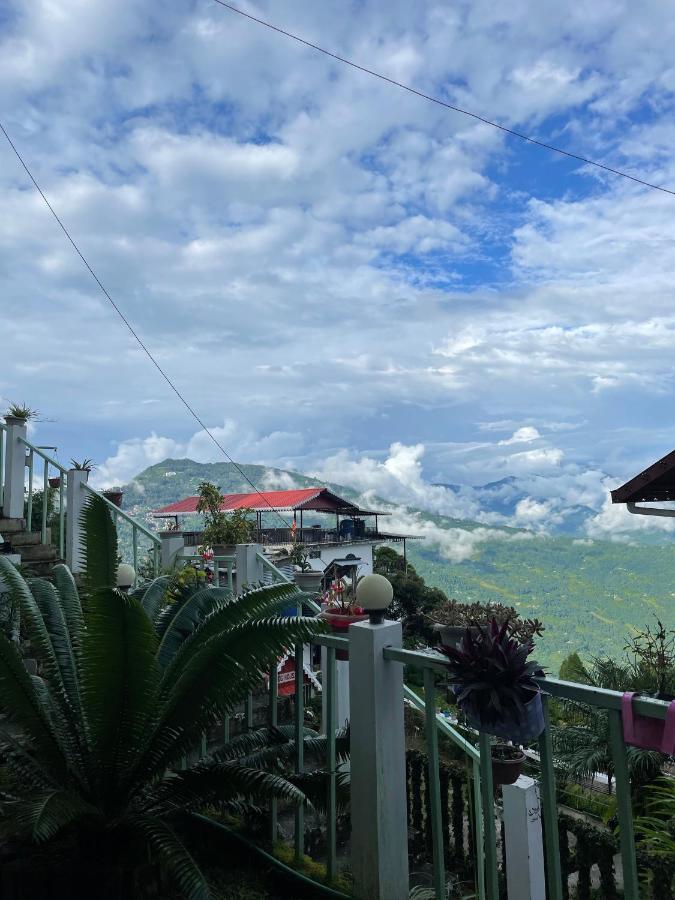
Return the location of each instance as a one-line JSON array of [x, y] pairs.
[[340, 277]]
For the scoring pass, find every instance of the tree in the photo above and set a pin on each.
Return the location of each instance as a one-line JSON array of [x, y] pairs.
[[413, 598], [127, 684], [581, 741]]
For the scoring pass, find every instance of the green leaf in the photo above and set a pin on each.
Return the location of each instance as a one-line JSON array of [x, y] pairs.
[[180, 621], [20, 702], [172, 853], [120, 679], [48, 813], [152, 596], [70, 601], [100, 544]]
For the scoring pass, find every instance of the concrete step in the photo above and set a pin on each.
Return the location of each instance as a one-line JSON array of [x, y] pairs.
[[42, 569], [11, 526], [37, 552], [23, 538]]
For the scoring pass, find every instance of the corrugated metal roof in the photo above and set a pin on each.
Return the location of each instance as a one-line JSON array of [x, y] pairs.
[[317, 498]]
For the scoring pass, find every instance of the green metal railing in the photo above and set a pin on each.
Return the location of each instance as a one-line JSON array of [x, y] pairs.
[[610, 701], [220, 563], [485, 841], [3, 441], [47, 461], [136, 529]]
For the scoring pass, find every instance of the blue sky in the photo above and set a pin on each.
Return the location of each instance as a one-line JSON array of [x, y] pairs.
[[341, 277]]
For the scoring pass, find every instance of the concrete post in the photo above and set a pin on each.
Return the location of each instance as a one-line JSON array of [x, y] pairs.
[[249, 567], [341, 692], [75, 498], [15, 469], [524, 845], [172, 544], [378, 783]]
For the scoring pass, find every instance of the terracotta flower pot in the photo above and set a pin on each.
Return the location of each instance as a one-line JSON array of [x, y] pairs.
[[507, 764], [339, 624], [55, 482], [114, 497], [452, 635]]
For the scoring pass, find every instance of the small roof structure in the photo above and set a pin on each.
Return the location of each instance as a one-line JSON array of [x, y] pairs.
[[316, 499], [656, 483]]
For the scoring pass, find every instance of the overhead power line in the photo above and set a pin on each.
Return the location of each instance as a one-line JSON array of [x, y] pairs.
[[137, 337], [439, 102]]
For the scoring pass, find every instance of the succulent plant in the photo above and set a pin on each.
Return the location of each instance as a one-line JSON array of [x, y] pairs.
[[491, 673], [455, 613]]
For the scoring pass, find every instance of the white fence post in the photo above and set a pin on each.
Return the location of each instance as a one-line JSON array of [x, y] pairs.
[[75, 497], [249, 567], [524, 845], [172, 545], [378, 777], [15, 469]]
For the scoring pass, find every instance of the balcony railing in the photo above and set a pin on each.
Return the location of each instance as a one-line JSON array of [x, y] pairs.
[[484, 839], [278, 537]]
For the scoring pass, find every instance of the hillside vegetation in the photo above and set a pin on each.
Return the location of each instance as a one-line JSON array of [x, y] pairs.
[[589, 594]]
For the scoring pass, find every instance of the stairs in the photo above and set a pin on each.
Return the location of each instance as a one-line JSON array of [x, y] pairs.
[[39, 558]]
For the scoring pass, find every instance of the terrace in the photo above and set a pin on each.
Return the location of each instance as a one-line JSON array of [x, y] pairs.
[[342, 521]]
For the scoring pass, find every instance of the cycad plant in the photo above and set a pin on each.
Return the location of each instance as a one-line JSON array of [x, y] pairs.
[[126, 684]]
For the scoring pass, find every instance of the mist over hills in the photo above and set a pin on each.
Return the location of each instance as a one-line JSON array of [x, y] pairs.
[[589, 593]]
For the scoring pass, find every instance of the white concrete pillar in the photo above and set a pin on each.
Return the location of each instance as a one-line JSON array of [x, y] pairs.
[[524, 844], [172, 545], [249, 567], [75, 498], [341, 692], [15, 469], [378, 779]]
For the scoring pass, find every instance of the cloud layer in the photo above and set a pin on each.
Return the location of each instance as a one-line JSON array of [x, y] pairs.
[[348, 273]]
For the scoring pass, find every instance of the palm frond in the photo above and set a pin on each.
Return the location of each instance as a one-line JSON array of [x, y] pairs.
[[172, 854], [70, 601], [120, 680], [100, 545], [33, 622], [212, 784], [314, 786], [21, 704], [179, 621], [43, 816], [152, 596], [216, 677], [54, 618]]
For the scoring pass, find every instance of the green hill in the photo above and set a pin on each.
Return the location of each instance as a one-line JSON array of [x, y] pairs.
[[588, 594]]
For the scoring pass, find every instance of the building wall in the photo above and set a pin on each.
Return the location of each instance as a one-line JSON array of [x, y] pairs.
[[363, 551]]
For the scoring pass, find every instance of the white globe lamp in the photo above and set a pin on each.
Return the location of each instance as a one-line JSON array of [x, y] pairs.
[[374, 593], [126, 575]]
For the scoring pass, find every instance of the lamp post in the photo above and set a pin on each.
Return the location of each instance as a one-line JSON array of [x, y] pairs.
[[126, 575], [374, 593]]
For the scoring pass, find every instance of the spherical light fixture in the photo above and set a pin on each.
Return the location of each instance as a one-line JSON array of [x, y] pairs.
[[126, 575], [374, 593]]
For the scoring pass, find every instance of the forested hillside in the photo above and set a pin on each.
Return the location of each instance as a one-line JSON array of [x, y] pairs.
[[589, 594]]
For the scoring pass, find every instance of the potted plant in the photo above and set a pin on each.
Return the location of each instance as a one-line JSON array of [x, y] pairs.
[[55, 482], [507, 764], [340, 610], [85, 465], [20, 414], [222, 532], [307, 578], [452, 619], [114, 494], [494, 682]]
